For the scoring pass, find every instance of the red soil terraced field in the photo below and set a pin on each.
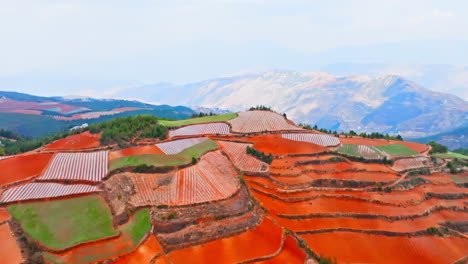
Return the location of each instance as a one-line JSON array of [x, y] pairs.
[[34, 191], [83, 140], [318, 139], [365, 176], [22, 167], [263, 240], [278, 146], [9, 250], [144, 254], [351, 247], [408, 225], [91, 166], [408, 164], [332, 205], [212, 178], [200, 130], [260, 121], [150, 149], [419, 147], [4, 215], [291, 253], [243, 161]]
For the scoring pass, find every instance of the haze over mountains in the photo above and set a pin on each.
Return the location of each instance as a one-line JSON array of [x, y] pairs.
[[389, 104]]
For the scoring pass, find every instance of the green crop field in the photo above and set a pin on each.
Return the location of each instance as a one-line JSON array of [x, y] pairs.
[[131, 234], [397, 150], [367, 152], [183, 157], [451, 155], [64, 223], [198, 120]]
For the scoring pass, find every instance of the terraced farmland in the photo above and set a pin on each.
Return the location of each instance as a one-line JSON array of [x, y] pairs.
[[90, 167], [243, 161], [37, 191], [397, 150], [409, 164], [260, 121], [200, 130], [177, 146], [367, 152], [184, 157], [318, 139], [198, 120], [213, 178], [22, 167], [84, 140], [10, 251], [54, 223]]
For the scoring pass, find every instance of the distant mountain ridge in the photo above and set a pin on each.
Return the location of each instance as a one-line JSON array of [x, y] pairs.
[[386, 104]]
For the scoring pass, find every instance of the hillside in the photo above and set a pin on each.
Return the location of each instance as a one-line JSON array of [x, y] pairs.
[[454, 139], [217, 185], [386, 104], [36, 116]]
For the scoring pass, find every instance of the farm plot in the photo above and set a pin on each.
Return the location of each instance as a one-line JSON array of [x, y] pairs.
[[60, 224], [318, 139], [140, 150], [291, 253], [367, 152], [90, 167], [213, 178], [144, 254], [368, 248], [397, 150], [83, 140], [260, 121], [357, 176], [4, 215], [409, 164], [243, 161], [131, 234], [263, 240], [35, 191], [177, 146], [201, 129], [279, 146], [198, 120], [183, 157], [9, 250], [22, 167]]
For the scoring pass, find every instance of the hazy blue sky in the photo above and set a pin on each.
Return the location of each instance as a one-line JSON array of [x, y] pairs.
[[186, 41]]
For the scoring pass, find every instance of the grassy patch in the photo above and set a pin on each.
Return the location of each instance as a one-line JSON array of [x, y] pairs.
[[183, 157], [354, 150], [63, 223], [451, 155], [131, 235], [397, 150], [460, 179], [198, 120]]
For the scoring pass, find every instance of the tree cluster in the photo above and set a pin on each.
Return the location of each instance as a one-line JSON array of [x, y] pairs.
[[260, 107], [437, 148], [200, 114], [260, 155], [353, 133]]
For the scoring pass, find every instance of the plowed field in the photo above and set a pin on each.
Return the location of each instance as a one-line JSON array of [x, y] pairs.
[[22, 167], [150, 149], [260, 121], [9, 250], [84, 140]]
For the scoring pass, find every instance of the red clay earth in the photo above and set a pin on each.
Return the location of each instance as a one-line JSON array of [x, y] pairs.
[[4, 215], [278, 146], [83, 140], [9, 250], [150, 149], [419, 147], [351, 247], [145, 252], [350, 175], [263, 240], [408, 225], [23, 167], [291, 253]]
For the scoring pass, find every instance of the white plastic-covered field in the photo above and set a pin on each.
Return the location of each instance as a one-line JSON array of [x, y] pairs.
[[409, 164], [201, 129], [318, 139], [238, 155], [260, 121], [92, 166], [212, 178], [44, 190], [177, 146]]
